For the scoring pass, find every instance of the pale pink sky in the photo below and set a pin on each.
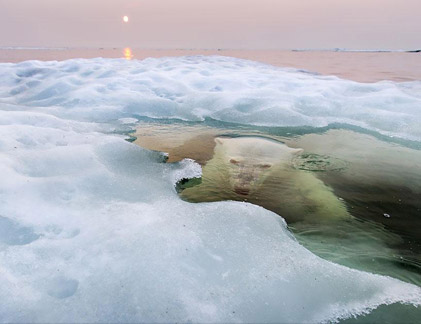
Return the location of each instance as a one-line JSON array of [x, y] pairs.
[[250, 24]]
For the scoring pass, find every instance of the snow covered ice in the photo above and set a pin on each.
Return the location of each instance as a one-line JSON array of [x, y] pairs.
[[91, 226], [227, 89]]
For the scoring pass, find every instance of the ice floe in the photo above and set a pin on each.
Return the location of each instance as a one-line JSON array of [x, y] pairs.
[[91, 226]]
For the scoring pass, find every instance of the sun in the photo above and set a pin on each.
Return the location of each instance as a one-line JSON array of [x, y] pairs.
[[126, 19]]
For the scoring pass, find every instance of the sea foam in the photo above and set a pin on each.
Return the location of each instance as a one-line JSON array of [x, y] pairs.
[[91, 226]]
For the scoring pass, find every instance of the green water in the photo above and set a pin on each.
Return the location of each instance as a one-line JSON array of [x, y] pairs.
[[349, 197], [340, 219]]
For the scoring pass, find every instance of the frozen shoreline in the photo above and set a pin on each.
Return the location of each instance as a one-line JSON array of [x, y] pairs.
[[98, 233], [361, 66]]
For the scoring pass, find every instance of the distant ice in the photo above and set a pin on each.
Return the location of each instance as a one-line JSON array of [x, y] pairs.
[[91, 226], [351, 50], [33, 48]]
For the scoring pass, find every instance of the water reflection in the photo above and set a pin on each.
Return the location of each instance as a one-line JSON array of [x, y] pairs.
[[332, 198], [127, 53]]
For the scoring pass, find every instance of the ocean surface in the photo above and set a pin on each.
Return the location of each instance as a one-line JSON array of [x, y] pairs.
[[208, 188]]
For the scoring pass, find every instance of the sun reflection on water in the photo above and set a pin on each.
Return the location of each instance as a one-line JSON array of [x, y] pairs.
[[127, 52]]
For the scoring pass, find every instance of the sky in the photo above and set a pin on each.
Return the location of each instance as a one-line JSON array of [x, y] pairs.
[[211, 24]]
